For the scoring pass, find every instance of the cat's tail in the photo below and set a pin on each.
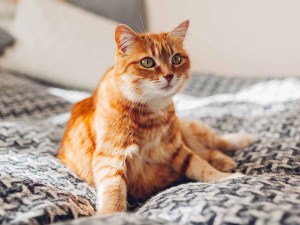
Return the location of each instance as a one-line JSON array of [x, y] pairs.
[[235, 141]]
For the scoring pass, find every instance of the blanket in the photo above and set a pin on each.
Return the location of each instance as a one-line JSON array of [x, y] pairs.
[[35, 188]]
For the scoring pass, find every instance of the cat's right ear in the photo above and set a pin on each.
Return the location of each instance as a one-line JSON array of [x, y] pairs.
[[181, 30], [124, 37]]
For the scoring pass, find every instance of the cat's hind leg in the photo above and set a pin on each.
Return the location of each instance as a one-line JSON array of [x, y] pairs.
[[197, 135], [210, 146], [187, 162]]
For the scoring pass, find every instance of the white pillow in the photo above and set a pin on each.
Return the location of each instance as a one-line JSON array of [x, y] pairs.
[[60, 43], [7, 11]]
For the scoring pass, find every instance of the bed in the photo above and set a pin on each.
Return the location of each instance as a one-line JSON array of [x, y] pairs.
[[35, 188]]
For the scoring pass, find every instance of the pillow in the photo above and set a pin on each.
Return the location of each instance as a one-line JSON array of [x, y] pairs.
[[130, 12], [60, 43], [7, 11], [5, 40]]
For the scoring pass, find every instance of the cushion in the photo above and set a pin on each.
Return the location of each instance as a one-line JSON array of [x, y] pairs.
[[7, 11], [130, 12], [60, 43]]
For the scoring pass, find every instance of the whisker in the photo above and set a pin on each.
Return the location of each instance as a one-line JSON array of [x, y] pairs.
[[142, 21], [137, 24]]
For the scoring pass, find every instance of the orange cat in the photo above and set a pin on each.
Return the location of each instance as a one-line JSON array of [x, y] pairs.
[[126, 136]]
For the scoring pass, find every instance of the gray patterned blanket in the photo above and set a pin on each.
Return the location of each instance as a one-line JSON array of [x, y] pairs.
[[35, 188]]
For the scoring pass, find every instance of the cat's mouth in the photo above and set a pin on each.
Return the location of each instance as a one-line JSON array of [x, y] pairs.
[[167, 87]]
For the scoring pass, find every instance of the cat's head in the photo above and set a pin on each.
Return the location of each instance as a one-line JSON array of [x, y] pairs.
[[151, 66]]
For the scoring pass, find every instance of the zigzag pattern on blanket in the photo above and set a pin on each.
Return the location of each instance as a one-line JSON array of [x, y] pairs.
[[34, 186], [267, 199], [22, 98]]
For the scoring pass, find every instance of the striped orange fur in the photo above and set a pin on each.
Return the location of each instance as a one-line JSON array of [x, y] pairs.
[[126, 137]]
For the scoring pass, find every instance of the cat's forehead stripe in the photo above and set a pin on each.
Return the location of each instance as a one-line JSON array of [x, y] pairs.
[[152, 49], [159, 46]]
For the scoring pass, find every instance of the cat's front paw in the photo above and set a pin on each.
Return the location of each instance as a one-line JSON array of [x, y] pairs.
[[237, 141]]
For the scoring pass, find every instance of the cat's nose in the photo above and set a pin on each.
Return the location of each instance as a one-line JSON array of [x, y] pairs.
[[169, 77]]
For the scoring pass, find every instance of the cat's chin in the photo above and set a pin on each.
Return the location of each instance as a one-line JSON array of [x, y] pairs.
[[168, 92]]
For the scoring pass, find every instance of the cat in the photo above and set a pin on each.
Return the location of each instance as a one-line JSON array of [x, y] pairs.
[[126, 137]]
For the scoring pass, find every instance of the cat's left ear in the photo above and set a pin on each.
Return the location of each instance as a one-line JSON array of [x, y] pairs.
[[124, 37], [181, 30]]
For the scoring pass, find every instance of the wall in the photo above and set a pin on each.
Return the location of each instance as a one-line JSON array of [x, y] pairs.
[[239, 37]]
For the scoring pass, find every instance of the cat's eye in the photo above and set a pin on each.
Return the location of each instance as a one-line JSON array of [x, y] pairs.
[[176, 59], [147, 62]]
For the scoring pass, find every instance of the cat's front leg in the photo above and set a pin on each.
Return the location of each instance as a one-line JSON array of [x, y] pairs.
[[187, 162], [109, 173]]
